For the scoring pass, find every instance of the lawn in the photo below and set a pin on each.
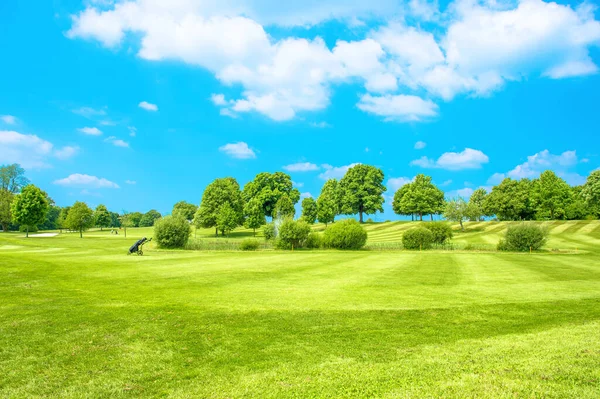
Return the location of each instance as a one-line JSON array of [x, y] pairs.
[[79, 318]]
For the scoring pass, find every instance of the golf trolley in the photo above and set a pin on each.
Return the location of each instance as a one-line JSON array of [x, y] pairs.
[[137, 248]]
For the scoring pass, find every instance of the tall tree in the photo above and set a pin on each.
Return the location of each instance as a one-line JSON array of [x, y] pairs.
[[29, 208], [309, 210], [361, 191], [457, 210], [216, 194], [591, 189], [80, 218], [51, 220], [419, 197], [12, 178], [284, 208], [185, 210], [510, 200], [62, 217], [327, 203], [551, 195], [125, 221], [476, 208], [254, 215], [114, 219], [102, 217], [6, 199], [135, 218], [268, 188], [149, 218], [227, 218]]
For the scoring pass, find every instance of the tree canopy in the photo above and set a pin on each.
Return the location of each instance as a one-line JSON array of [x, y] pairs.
[[476, 209], [511, 200], [102, 216], [361, 191], [551, 196], [254, 214], [309, 210], [591, 189], [12, 178], [284, 208], [216, 194], [227, 218], [6, 199], [29, 208], [79, 218], [419, 197], [150, 218], [327, 203], [184, 210], [268, 188], [457, 210]]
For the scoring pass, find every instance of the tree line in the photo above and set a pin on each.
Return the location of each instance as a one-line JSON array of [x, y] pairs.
[[226, 206]]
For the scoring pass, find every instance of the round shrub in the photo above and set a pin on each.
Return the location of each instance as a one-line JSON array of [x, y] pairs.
[[269, 231], [249, 244], [171, 232], [417, 238], [292, 234], [441, 231], [345, 234], [523, 237], [314, 241]]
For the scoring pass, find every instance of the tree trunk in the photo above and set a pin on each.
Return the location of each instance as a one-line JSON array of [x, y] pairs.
[[431, 217], [216, 232], [254, 232], [4, 227], [360, 212], [461, 225], [27, 232], [80, 233], [421, 216], [125, 231], [412, 216]]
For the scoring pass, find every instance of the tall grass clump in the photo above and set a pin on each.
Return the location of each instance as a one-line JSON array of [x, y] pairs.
[[345, 234], [417, 238], [172, 232], [524, 237]]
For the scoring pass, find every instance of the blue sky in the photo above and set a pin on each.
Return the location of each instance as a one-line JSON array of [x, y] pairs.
[[140, 104]]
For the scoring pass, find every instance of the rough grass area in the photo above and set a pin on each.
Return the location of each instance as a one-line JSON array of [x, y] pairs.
[[79, 318]]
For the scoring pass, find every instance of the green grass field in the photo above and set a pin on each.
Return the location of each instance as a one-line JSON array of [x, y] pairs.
[[80, 319]]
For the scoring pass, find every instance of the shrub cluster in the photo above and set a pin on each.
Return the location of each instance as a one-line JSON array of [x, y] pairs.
[[314, 241], [345, 234], [417, 238], [249, 244], [292, 234], [172, 232], [269, 231], [523, 237], [441, 231]]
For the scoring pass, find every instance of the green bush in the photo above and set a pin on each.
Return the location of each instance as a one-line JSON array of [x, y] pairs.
[[345, 234], [172, 232], [523, 237], [292, 234], [314, 241], [417, 238], [269, 231], [441, 231], [249, 244]]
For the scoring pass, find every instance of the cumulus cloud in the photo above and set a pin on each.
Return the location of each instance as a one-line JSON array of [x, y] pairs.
[[305, 195], [117, 142], [148, 106], [462, 192], [26, 149], [477, 48], [419, 145], [218, 99], [238, 150], [82, 180], [90, 131], [8, 119], [467, 159], [301, 167], [394, 183], [332, 172]]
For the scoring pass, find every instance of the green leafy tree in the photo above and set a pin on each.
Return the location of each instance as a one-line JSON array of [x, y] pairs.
[[135, 218], [255, 216], [12, 178], [511, 200], [62, 217], [476, 209], [361, 191], [227, 218], [457, 210], [419, 197], [551, 195], [591, 190], [80, 218], [29, 208], [268, 188], [185, 210], [6, 199], [215, 195], [114, 220], [327, 203], [284, 208], [150, 218], [309, 210], [102, 217], [125, 221], [51, 220]]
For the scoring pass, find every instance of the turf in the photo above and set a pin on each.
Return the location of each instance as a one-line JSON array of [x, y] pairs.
[[79, 319]]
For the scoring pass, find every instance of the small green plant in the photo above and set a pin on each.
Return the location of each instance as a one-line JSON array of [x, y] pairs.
[[269, 231], [249, 244], [523, 237], [292, 234], [345, 234], [417, 238], [441, 231], [172, 232], [314, 241]]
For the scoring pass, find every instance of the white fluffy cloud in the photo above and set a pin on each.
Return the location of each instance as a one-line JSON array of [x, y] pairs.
[[8, 119], [479, 46], [26, 149], [238, 150], [419, 145], [66, 152], [91, 131], [467, 159], [301, 167], [117, 142], [394, 183], [148, 106], [82, 180], [332, 172]]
